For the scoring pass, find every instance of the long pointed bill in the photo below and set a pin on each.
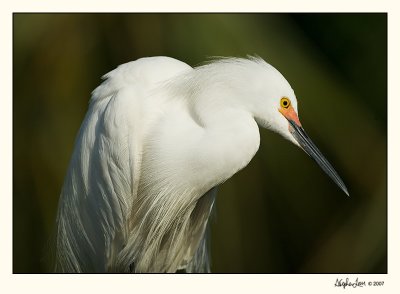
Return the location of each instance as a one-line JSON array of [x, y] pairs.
[[308, 146]]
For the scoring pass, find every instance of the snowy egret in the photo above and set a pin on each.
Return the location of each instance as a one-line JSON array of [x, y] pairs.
[[158, 138]]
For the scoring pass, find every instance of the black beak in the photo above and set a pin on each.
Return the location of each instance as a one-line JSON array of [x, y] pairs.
[[308, 146]]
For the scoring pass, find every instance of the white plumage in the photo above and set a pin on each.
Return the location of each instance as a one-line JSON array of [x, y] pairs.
[[158, 138]]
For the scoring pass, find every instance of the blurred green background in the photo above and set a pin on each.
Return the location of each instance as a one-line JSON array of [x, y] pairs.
[[281, 214]]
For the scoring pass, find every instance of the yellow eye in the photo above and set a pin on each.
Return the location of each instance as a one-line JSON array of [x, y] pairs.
[[285, 102]]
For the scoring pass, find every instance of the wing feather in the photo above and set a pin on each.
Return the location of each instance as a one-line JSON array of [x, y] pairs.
[[98, 191], [103, 175]]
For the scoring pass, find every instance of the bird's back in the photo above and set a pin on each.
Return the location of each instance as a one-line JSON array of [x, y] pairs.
[[94, 222]]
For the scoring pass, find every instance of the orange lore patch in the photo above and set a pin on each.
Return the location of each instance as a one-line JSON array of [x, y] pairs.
[[291, 114]]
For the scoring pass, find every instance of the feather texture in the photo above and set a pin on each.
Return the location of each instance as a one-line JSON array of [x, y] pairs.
[[156, 140]]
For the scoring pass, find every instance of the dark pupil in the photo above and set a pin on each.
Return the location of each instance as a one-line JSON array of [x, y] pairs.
[[284, 103]]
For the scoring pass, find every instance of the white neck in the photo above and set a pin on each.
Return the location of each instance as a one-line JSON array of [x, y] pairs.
[[243, 85]]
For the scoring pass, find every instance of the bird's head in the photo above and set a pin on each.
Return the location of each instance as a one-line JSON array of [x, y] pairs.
[[275, 108]]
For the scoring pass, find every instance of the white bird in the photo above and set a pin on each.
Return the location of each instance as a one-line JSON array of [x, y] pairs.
[[158, 138]]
